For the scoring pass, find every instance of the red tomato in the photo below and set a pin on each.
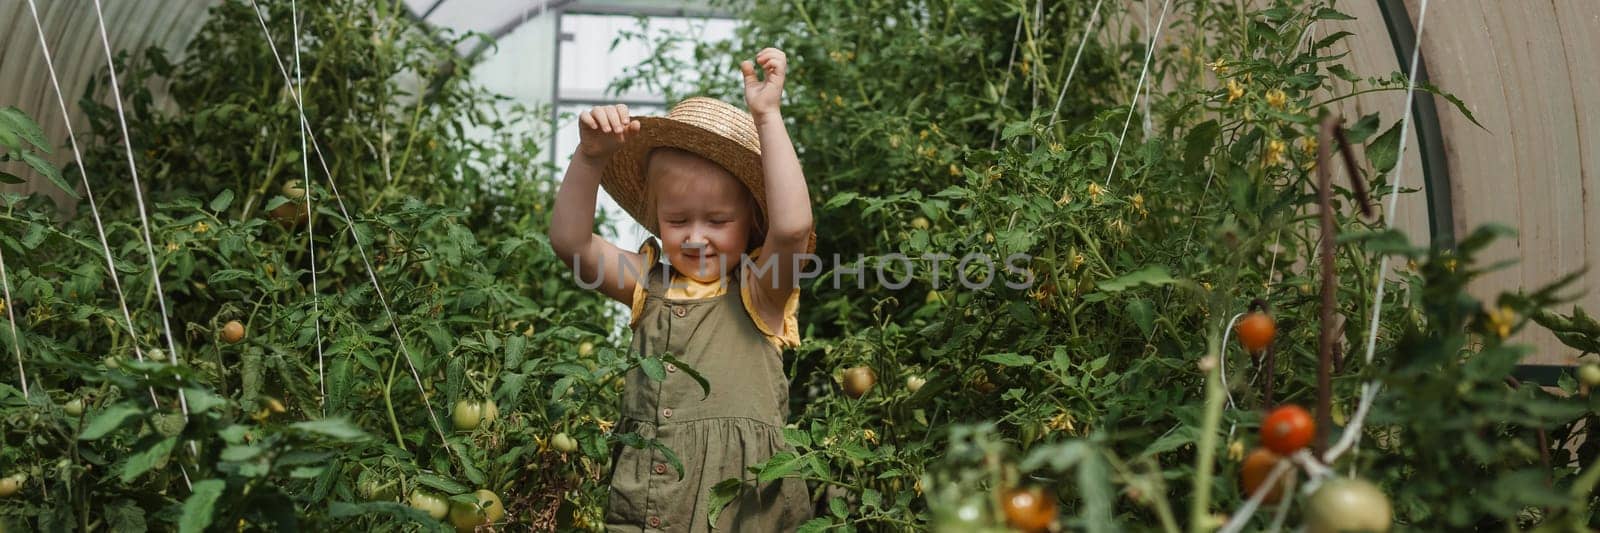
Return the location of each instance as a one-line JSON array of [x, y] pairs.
[[1256, 331], [1287, 429]]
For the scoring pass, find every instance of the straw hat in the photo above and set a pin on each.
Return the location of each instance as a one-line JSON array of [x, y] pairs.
[[710, 128]]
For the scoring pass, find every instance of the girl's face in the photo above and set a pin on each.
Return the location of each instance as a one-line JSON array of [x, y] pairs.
[[705, 215]]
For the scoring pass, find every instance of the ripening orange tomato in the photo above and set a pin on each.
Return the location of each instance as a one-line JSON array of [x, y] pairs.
[[1253, 473], [1287, 429], [1030, 510], [1256, 331]]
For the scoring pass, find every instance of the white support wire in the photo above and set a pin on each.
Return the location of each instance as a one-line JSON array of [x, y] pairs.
[[311, 237], [144, 222], [138, 195], [1317, 470], [11, 317], [1087, 26], [88, 191], [1133, 106], [333, 187]]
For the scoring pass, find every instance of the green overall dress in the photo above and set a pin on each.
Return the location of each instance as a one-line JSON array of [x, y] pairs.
[[716, 437]]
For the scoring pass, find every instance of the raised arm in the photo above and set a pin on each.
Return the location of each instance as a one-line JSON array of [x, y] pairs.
[[601, 131], [789, 222]]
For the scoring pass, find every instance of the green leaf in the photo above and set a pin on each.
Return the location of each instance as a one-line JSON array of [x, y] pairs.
[[1094, 487], [779, 465], [201, 400], [227, 275], [840, 199], [336, 428], [125, 516], [198, 507], [109, 420], [1015, 129], [1199, 143], [705, 386], [516, 344], [1171, 441], [722, 494], [222, 201], [443, 484], [1143, 313], [1009, 359], [13, 120], [1328, 13], [653, 368], [1384, 151], [50, 172], [797, 438], [152, 454], [240, 452], [11, 179], [1152, 275], [815, 525]]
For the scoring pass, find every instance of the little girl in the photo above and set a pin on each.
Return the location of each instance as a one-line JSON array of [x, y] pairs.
[[723, 191]]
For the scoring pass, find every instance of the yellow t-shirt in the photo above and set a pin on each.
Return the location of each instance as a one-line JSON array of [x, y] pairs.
[[684, 288]]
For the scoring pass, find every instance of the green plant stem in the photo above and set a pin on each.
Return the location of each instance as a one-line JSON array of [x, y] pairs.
[[388, 401], [1199, 509]]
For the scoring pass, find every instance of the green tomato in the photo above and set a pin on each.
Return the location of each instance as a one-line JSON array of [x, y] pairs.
[[1345, 504], [1590, 374], [73, 407], [564, 442], [469, 414], [11, 484], [155, 354], [436, 506], [468, 517]]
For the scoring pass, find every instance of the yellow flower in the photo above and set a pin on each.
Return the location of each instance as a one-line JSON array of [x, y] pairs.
[[1234, 90], [1138, 204], [869, 436], [1119, 227], [1236, 450], [922, 135], [201, 227], [894, 141], [1274, 155], [1095, 190], [1061, 422], [934, 128], [1308, 145], [1277, 99], [1501, 320], [172, 247], [1066, 198], [954, 171], [1077, 260], [1220, 66], [837, 100], [1055, 148]]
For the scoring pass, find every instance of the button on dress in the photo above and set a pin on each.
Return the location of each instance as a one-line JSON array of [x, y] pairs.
[[716, 437]]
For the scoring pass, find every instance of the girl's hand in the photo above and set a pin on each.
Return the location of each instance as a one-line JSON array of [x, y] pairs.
[[763, 97], [602, 130]]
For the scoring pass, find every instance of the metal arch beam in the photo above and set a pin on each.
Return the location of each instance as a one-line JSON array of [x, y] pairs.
[[1425, 117]]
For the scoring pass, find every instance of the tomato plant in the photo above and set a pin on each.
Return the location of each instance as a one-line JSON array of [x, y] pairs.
[[932, 130]]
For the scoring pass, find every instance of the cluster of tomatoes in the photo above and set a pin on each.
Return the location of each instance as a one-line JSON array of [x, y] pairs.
[[1340, 503]]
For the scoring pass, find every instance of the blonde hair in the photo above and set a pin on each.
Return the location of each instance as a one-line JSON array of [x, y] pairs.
[[758, 232]]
